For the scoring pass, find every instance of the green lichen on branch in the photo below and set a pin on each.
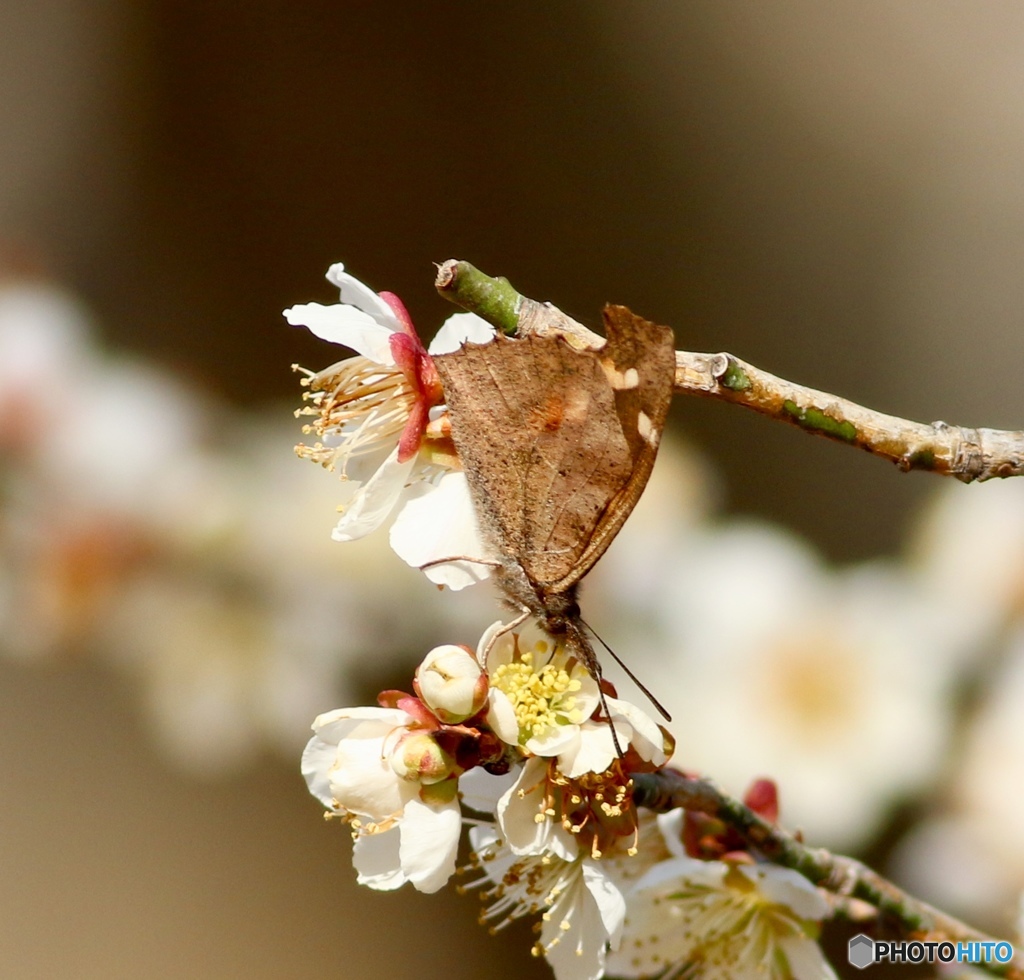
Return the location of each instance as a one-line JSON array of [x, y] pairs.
[[735, 378], [815, 420], [923, 459]]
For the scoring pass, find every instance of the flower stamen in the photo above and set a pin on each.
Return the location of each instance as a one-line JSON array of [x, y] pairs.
[[543, 700]]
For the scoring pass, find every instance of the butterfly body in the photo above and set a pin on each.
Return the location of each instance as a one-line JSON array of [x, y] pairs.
[[557, 444]]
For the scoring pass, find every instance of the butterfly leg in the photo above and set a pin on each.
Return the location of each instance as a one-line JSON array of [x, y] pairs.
[[489, 562], [506, 628]]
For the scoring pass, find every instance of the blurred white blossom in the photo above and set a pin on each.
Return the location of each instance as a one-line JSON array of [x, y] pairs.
[[44, 348], [968, 550], [969, 856], [773, 664]]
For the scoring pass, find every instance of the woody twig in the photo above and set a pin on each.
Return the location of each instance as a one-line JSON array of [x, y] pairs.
[[949, 450], [668, 790]]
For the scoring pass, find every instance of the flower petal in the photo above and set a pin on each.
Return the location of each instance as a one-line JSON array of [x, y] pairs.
[[671, 827], [375, 500], [517, 811], [786, 887], [345, 325], [459, 328], [594, 750], [317, 759], [480, 790], [805, 958], [429, 842], [365, 721], [363, 781], [556, 740], [610, 902], [706, 873], [359, 295], [501, 717], [647, 738], [440, 523], [573, 934], [375, 857]]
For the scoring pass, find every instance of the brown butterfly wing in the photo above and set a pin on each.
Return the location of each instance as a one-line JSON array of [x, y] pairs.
[[550, 440], [639, 361]]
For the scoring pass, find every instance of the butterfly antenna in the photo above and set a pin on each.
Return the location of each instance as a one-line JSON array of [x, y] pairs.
[[611, 724], [577, 642], [636, 680]]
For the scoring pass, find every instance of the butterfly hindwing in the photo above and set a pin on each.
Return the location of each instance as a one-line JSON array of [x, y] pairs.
[[639, 364]]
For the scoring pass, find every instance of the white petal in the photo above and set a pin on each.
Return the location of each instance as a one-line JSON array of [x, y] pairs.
[[557, 740], [517, 808], [430, 840], [339, 324], [362, 722], [496, 647], [480, 790], [360, 295], [786, 887], [610, 902], [363, 781], [516, 812], [317, 760], [484, 835], [441, 523], [671, 826], [459, 328], [806, 961], [594, 752], [647, 737], [575, 936], [707, 873], [501, 717], [375, 857], [375, 500]]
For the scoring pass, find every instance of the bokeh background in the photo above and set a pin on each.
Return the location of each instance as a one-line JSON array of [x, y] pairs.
[[831, 191]]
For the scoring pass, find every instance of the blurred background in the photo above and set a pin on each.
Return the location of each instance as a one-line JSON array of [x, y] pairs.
[[832, 192]]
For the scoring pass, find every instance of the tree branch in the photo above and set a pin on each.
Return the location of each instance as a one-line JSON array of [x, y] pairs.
[[949, 450], [668, 790]]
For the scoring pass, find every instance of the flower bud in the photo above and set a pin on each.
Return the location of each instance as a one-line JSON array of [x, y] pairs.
[[419, 758], [451, 683]]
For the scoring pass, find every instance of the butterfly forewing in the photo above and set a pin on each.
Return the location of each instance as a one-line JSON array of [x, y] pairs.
[[558, 443]]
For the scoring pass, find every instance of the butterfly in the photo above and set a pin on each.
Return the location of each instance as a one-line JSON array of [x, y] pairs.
[[557, 444]]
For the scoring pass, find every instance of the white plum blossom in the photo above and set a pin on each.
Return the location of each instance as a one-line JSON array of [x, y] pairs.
[[543, 699], [374, 417], [782, 665], [723, 922], [970, 855], [405, 818], [968, 551], [582, 909], [718, 920]]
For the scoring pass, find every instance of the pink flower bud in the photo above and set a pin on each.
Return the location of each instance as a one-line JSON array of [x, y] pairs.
[[419, 758]]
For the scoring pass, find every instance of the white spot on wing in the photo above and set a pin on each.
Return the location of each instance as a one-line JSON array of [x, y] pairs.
[[646, 430], [620, 380]]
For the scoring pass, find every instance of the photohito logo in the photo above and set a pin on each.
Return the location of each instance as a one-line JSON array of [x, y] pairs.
[[863, 951]]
